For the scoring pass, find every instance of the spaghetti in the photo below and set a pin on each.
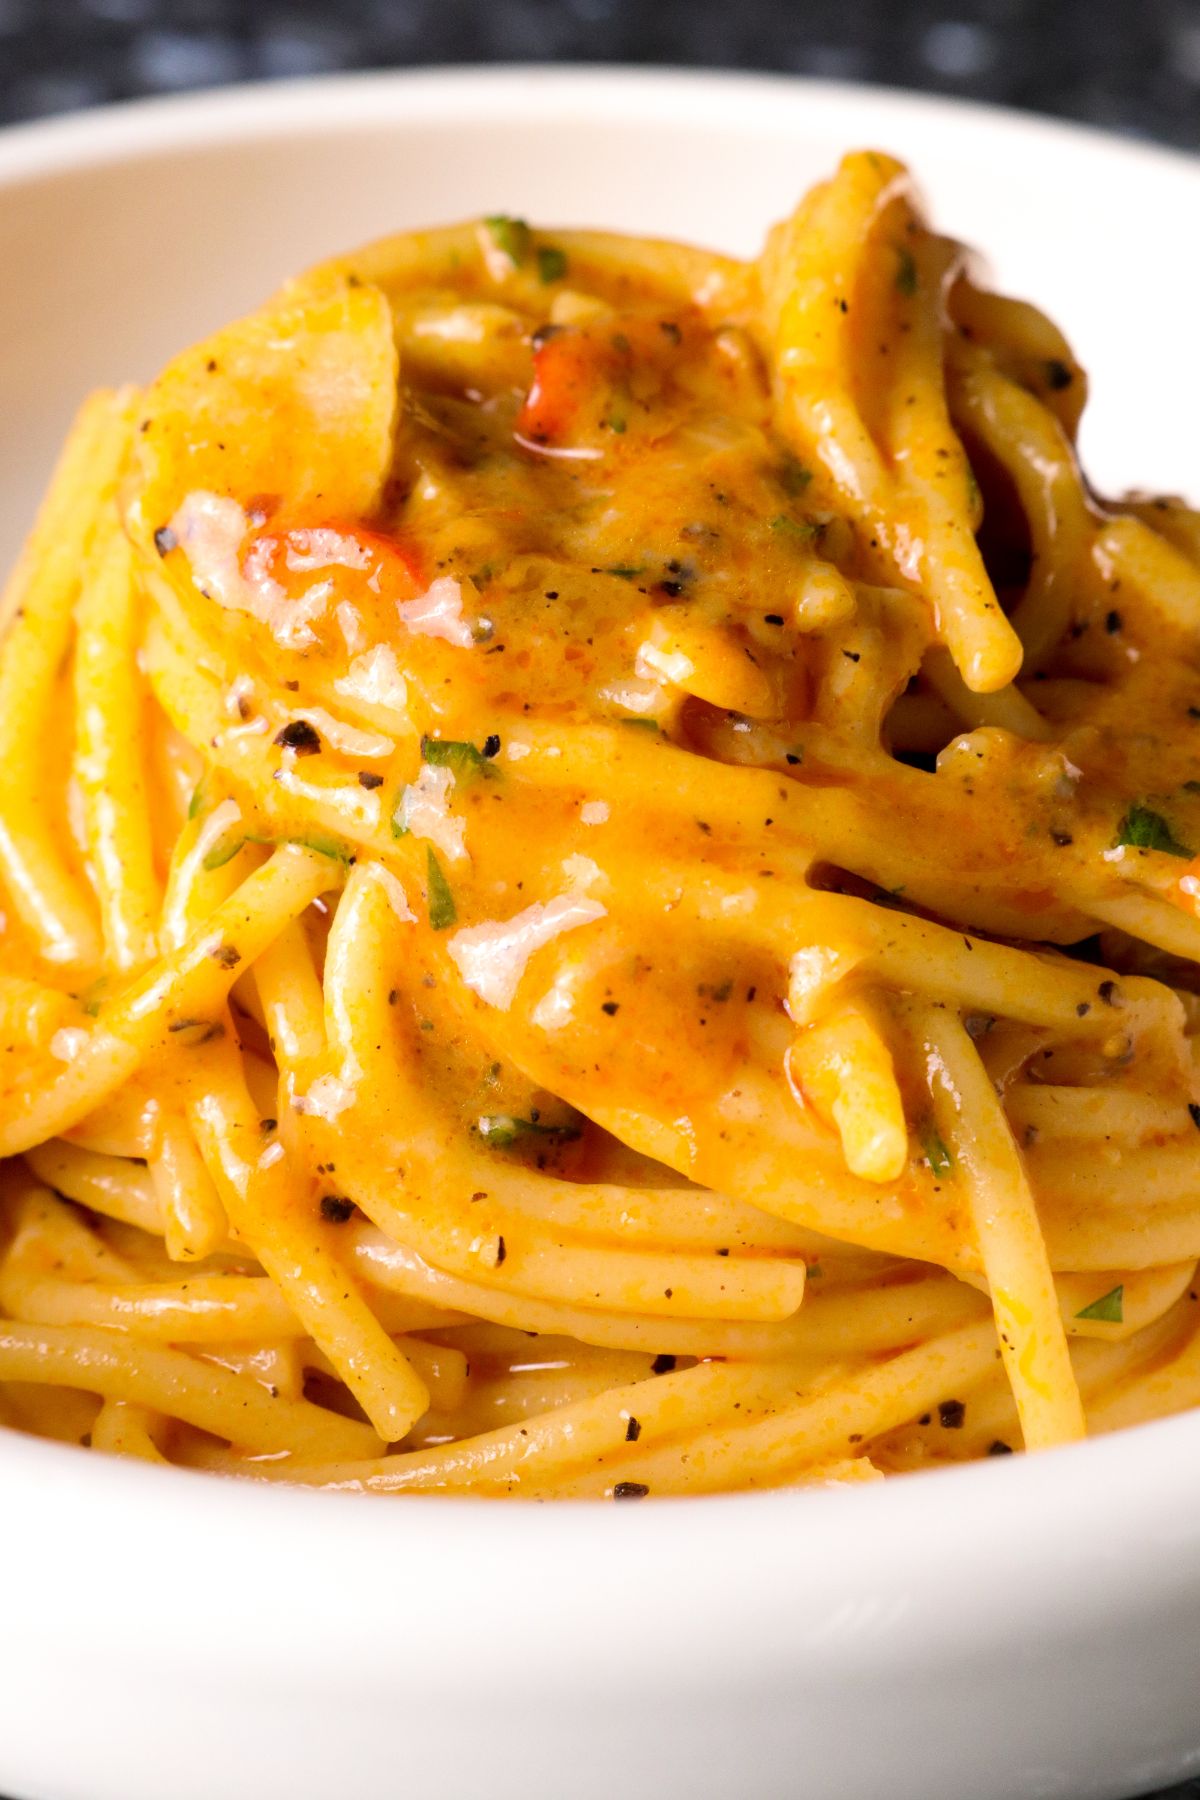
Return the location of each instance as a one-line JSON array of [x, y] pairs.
[[600, 870]]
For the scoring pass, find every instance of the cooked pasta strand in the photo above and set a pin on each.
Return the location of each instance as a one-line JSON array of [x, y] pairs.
[[601, 877]]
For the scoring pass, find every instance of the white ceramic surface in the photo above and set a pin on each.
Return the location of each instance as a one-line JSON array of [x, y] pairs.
[[1024, 1628]]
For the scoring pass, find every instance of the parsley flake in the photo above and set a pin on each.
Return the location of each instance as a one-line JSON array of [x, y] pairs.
[[1144, 829], [442, 911], [464, 759], [936, 1154], [510, 236], [551, 262], [1109, 1308]]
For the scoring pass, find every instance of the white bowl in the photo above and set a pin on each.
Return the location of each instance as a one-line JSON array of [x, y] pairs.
[[1023, 1628]]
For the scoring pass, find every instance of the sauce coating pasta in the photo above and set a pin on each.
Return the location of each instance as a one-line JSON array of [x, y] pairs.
[[599, 857]]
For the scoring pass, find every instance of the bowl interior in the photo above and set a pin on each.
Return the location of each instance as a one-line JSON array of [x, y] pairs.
[[130, 234]]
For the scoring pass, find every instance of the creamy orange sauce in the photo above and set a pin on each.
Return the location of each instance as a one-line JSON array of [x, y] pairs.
[[651, 793]]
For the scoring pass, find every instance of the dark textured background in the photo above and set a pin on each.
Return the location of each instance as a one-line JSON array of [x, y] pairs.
[[1131, 65], [1128, 65]]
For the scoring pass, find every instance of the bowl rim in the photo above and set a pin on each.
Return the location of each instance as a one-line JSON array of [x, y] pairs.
[[253, 110], [1007, 1526]]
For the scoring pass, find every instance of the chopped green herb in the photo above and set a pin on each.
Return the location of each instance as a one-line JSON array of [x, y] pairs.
[[442, 910], [332, 847], [1109, 1308], [616, 423], [196, 803], [399, 828], [502, 1130], [973, 495], [624, 571], [793, 476], [936, 1154], [906, 272], [464, 759], [642, 724], [551, 262], [224, 851], [793, 527], [1146, 830], [510, 236]]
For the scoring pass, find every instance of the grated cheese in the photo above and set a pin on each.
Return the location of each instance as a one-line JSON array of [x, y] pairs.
[[425, 811], [438, 613], [492, 958], [375, 678]]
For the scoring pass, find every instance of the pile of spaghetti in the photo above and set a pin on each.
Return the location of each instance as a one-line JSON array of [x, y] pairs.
[[600, 860]]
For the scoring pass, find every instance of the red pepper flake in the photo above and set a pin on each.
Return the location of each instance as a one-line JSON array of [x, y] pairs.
[[998, 1447], [633, 1430], [951, 1414], [336, 1208], [226, 955], [367, 778], [630, 1490]]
